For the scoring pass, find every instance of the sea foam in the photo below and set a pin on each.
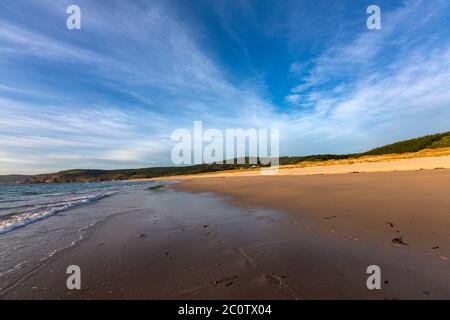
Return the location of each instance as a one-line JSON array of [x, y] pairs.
[[39, 212]]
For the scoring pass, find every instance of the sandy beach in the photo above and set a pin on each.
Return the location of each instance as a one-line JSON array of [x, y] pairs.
[[224, 150], [278, 237]]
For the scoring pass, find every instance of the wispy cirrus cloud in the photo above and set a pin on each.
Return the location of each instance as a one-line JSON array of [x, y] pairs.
[[380, 84], [109, 95], [135, 76]]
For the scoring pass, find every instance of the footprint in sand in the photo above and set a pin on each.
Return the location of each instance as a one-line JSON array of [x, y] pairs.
[[278, 277], [228, 281]]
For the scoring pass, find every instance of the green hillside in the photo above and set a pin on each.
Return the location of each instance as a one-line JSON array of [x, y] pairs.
[[440, 140], [413, 145]]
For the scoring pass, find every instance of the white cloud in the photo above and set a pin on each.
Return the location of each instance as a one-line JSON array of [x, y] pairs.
[[293, 98], [348, 100]]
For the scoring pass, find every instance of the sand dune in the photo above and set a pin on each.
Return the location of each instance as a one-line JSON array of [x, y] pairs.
[[365, 164]]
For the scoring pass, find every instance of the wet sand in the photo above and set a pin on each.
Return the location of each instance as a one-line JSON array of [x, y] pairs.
[[392, 213], [309, 237]]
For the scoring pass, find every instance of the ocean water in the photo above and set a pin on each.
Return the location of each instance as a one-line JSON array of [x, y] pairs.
[[39, 220], [21, 205]]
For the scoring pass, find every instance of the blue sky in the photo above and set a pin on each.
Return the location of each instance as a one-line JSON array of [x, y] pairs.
[[109, 95]]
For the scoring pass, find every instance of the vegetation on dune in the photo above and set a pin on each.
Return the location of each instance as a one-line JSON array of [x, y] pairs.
[[319, 157], [441, 140], [413, 145], [80, 175], [444, 142]]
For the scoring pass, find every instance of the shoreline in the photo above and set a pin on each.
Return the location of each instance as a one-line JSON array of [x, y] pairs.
[[309, 237]]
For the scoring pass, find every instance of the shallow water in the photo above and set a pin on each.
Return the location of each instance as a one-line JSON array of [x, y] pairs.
[[36, 221], [21, 205]]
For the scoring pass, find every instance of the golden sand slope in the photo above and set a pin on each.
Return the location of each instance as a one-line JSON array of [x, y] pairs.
[[383, 158], [423, 160]]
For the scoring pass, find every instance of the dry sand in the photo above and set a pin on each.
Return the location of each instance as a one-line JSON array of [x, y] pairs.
[[423, 160]]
